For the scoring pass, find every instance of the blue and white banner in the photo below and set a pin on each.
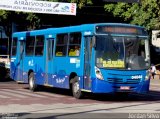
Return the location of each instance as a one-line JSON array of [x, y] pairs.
[[39, 6]]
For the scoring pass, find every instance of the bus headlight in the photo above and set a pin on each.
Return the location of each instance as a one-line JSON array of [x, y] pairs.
[[98, 73], [148, 74]]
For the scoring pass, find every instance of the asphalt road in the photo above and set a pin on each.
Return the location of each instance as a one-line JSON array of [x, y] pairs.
[[17, 100]]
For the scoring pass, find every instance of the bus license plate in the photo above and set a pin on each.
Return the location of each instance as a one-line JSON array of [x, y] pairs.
[[124, 87]]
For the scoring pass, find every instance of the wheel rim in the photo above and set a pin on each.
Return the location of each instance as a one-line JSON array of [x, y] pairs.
[[76, 87], [31, 82]]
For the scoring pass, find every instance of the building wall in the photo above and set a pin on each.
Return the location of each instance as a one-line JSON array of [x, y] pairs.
[[156, 38]]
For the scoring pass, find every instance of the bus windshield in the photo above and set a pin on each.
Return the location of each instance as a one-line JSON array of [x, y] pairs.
[[122, 52]]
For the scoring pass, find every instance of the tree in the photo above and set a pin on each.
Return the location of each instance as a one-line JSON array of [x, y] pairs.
[[146, 14], [8, 17]]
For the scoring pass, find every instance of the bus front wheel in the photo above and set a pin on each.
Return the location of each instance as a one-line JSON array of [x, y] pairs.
[[32, 85], [77, 93]]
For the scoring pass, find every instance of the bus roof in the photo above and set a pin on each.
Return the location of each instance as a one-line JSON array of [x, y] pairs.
[[77, 28]]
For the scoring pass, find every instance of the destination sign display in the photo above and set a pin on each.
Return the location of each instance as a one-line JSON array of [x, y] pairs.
[[120, 30]]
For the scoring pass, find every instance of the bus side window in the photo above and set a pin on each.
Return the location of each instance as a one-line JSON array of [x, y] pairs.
[[61, 44], [30, 41], [74, 44], [39, 45]]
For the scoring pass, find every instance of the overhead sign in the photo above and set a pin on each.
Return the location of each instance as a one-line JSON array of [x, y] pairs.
[[39, 6], [126, 1]]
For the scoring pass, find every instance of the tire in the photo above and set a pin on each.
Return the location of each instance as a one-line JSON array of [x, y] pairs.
[[77, 93], [32, 85]]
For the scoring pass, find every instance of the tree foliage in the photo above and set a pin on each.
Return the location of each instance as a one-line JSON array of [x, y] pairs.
[[146, 14], [32, 20], [5, 19]]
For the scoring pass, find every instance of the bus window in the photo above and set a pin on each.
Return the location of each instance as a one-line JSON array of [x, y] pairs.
[[50, 48], [14, 46], [74, 44], [30, 40], [39, 45], [61, 45]]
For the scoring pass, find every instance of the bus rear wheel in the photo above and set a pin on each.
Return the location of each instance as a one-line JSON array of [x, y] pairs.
[[77, 93], [32, 85]]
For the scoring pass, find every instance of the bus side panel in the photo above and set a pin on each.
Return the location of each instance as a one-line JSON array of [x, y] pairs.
[[60, 81], [36, 64], [63, 67]]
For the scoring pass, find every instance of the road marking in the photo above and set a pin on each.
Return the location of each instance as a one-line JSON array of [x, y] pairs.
[[2, 92], [2, 96], [24, 93], [44, 93], [51, 94]]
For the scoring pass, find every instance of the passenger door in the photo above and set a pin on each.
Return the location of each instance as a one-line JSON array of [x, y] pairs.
[[49, 61], [87, 62], [20, 60]]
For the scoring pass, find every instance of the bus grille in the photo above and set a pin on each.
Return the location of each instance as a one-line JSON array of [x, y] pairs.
[[120, 81]]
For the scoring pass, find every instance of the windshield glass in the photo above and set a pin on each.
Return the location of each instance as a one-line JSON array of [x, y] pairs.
[[121, 52]]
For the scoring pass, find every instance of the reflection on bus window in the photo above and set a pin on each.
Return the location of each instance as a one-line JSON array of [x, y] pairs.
[[30, 40], [135, 46], [39, 45], [131, 46], [50, 48]]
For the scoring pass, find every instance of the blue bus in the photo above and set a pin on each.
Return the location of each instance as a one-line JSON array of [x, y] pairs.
[[96, 58]]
